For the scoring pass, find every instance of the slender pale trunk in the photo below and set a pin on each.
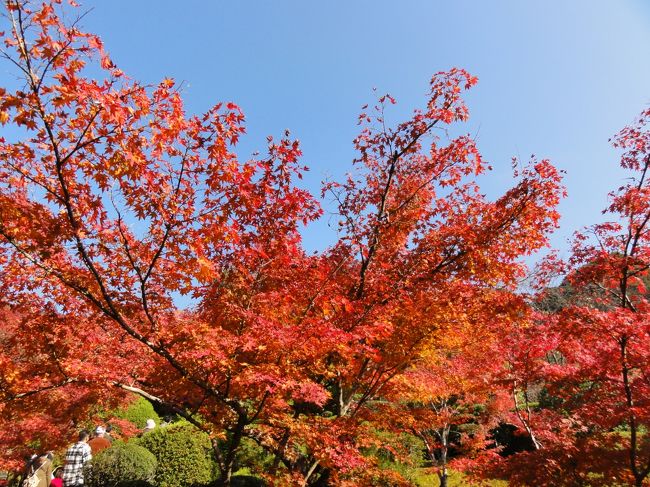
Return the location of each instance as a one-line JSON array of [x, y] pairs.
[[442, 462], [525, 420], [443, 476]]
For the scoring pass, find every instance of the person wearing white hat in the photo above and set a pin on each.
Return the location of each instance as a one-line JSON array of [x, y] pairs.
[[99, 442], [151, 424]]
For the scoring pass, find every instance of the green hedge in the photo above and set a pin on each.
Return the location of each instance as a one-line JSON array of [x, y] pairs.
[[138, 412], [121, 465], [184, 455]]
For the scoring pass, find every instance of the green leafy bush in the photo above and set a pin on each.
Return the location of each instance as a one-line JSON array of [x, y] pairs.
[[122, 465], [246, 481], [251, 458], [138, 412], [184, 455]]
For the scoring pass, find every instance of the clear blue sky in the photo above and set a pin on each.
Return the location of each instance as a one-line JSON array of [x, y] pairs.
[[557, 78]]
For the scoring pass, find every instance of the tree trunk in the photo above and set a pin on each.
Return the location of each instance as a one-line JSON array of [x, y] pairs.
[[227, 462], [225, 474], [323, 478], [217, 454], [442, 475]]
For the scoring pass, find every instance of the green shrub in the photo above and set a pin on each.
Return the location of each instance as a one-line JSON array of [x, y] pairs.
[[121, 465], [184, 455], [246, 481], [138, 412], [251, 458]]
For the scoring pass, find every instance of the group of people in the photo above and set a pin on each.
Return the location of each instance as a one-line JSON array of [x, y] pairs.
[[40, 471]]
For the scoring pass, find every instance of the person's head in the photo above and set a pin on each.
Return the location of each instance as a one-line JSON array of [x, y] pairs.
[[84, 435], [58, 472], [109, 429], [39, 460], [100, 431]]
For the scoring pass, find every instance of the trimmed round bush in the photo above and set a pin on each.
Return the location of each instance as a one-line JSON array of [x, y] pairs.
[[121, 465], [138, 412], [184, 455]]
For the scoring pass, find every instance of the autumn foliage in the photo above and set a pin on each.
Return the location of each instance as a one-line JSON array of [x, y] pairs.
[[116, 207], [590, 347]]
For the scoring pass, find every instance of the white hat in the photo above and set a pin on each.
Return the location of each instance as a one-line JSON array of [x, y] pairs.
[[151, 424], [100, 430]]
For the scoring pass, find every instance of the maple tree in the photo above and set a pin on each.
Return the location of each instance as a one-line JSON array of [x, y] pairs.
[[114, 201], [606, 344], [588, 347], [450, 397]]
